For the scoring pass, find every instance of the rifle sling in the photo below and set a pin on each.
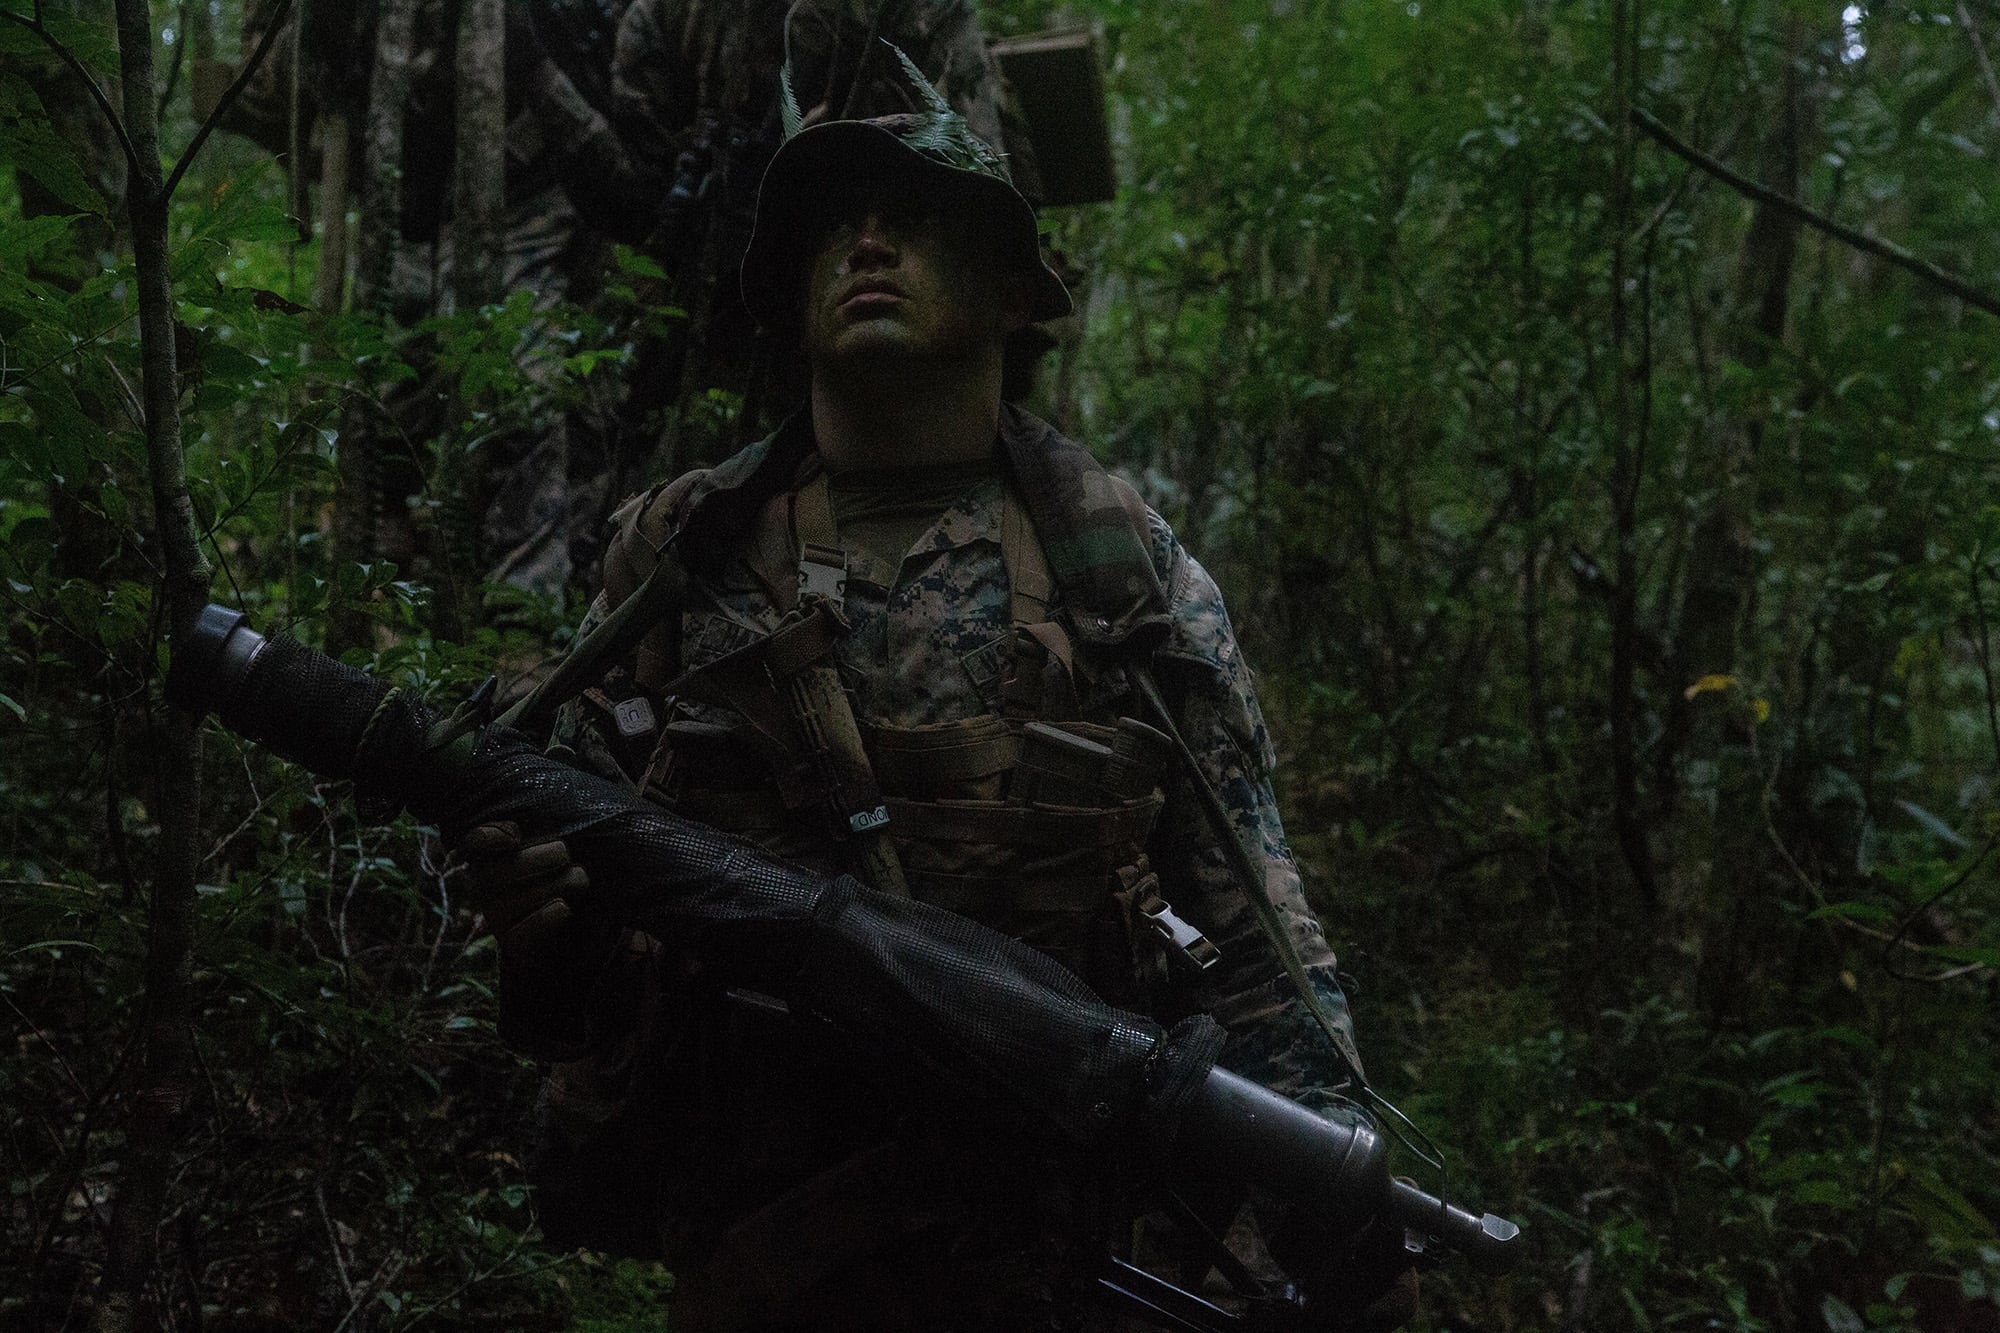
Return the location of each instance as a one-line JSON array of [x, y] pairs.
[[1248, 878], [618, 634]]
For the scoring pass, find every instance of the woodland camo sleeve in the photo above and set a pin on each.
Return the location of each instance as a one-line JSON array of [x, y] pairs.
[[1273, 1037]]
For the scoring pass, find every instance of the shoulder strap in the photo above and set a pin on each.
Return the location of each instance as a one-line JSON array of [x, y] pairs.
[[822, 560], [1030, 582], [644, 581]]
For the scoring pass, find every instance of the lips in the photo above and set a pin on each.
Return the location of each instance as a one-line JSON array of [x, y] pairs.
[[870, 292]]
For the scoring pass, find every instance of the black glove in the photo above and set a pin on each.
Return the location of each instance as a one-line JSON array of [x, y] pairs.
[[549, 953]]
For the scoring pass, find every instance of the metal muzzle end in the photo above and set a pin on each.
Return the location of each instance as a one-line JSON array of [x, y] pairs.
[[211, 659]]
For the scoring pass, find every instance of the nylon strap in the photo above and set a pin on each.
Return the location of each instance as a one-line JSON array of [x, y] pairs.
[[822, 561], [820, 705], [989, 823], [922, 759], [1251, 882], [1030, 584], [972, 895], [615, 636]]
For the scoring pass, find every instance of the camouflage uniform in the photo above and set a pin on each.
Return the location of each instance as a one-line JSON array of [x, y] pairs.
[[920, 632]]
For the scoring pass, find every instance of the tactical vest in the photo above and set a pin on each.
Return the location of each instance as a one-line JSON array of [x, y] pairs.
[[1030, 818]]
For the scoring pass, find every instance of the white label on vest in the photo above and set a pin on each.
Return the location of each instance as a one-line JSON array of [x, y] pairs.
[[861, 821], [634, 717]]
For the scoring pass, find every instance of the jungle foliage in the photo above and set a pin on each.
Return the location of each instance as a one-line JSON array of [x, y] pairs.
[[1617, 549]]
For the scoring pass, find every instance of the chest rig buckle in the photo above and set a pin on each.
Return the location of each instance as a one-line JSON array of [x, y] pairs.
[[1182, 940], [822, 574], [1058, 766]]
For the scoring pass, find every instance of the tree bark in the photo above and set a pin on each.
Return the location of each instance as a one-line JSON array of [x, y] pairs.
[[382, 163], [159, 1101], [478, 231], [355, 496], [1718, 812], [1625, 477], [330, 281], [480, 156]]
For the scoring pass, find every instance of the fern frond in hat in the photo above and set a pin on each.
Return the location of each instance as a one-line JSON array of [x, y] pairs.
[[931, 152]]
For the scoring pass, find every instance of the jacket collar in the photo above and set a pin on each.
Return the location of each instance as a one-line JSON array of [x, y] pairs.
[[1091, 526]]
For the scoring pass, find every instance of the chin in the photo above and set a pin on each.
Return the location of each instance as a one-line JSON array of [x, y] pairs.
[[874, 341]]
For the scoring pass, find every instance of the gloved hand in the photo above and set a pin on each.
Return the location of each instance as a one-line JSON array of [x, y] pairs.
[[1365, 1284], [549, 952], [515, 887]]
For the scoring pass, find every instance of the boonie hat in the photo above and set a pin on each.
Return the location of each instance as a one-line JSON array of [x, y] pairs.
[[932, 151]]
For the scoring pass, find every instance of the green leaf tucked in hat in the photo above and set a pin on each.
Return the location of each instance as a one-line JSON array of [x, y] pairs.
[[936, 130], [929, 152]]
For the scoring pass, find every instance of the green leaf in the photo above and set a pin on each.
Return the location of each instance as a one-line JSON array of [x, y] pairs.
[[28, 238], [1986, 957], [239, 211], [1941, 1208], [638, 264], [92, 43], [79, 601], [1938, 829], [1840, 1316], [49, 946], [1853, 911], [20, 713], [1830, 1193], [35, 148], [1850, 1037]]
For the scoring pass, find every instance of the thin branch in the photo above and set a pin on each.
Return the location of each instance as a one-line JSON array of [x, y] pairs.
[[76, 66], [222, 108], [1898, 940], [1979, 54], [69, 353], [1860, 240], [1985, 654], [174, 69], [339, 1256], [1950, 887]]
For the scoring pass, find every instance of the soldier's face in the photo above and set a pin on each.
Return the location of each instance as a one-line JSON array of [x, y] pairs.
[[893, 281]]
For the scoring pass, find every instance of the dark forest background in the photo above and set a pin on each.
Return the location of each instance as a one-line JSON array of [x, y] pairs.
[[1617, 545]]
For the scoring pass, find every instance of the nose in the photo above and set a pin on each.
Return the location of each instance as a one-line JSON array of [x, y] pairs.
[[873, 244]]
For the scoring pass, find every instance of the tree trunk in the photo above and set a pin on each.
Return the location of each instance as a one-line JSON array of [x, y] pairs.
[[480, 157], [159, 1101], [356, 496], [1625, 478], [331, 279], [1719, 811], [478, 228]]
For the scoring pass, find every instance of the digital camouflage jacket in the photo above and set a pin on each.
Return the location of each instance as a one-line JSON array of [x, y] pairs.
[[919, 658]]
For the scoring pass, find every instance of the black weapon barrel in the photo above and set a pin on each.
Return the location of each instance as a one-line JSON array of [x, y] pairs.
[[907, 980], [304, 706], [912, 982], [1488, 1237], [1336, 1166], [1242, 1130]]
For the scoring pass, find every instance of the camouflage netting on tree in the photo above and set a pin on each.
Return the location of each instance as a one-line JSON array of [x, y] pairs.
[[900, 977]]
